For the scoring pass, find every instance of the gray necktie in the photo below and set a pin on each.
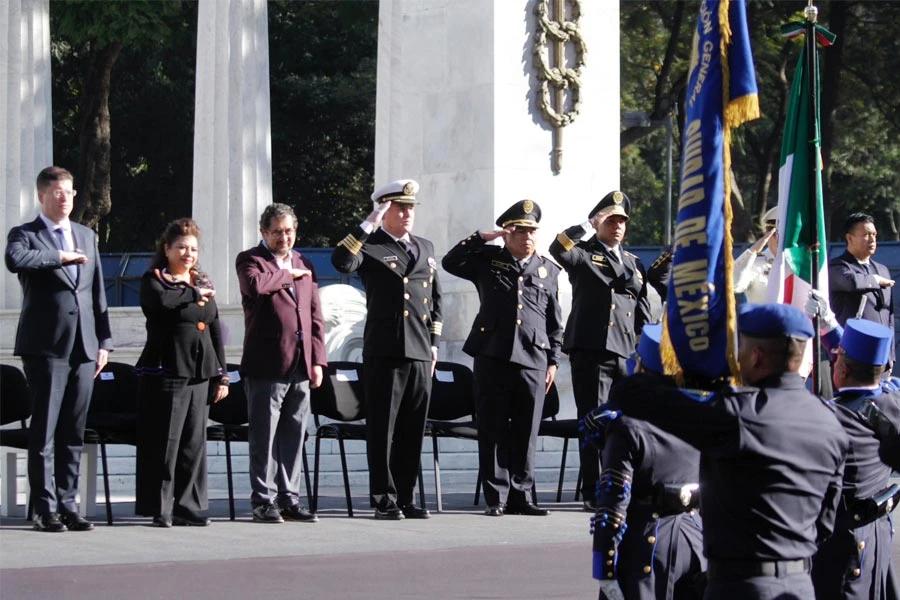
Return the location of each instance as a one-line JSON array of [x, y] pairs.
[[63, 242]]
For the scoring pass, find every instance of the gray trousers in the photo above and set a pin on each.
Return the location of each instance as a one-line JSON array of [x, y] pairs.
[[279, 413]]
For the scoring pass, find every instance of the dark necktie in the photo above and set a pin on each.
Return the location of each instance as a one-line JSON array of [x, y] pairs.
[[410, 249], [63, 242]]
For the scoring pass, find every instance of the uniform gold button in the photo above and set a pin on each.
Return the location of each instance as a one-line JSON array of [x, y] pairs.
[[425, 300], [519, 306], [612, 324], [856, 572], [610, 575], [406, 280], [424, 317], [520, 292], [393, 265], [628, 314], [201, 326], [862, 545], [540, 285], [463, 243], [405, 313], [655, 515], [201, 303], [648, 570], [651, 540], [521, 278], [482, 330], [424, 284], [406, 296], [518, 321], [609, 563], [612, 307], [612, 552]]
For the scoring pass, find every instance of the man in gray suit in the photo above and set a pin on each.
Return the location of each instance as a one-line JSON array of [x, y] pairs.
[[64, 341]]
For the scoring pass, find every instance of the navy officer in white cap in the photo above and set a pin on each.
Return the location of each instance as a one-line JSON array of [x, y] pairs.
[[609, 308], [515, 341], [855, 562], [402, 333], [771, 458]]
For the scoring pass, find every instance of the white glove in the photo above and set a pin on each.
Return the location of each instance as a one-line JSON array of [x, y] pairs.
[[815, 305], [379, 208], [587, 226], [610, 590]]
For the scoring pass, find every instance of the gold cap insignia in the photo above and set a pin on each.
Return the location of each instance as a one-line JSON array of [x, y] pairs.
[[617, 197], [408, 189], [527, 207], [542, 272]]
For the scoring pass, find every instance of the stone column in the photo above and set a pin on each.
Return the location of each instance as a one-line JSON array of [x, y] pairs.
[[25, 122], [232, 135], [457, 110]]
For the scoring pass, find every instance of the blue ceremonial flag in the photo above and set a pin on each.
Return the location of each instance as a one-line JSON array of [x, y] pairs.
[[721, 94]]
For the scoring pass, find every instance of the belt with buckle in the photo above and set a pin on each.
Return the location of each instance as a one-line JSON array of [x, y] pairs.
[[745, 569]]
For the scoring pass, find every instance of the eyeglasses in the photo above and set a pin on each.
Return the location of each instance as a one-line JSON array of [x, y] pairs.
[[282, 232], [61, 193]]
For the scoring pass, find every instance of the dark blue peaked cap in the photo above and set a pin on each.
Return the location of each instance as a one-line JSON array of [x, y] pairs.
[[774, 320], [867, 342]]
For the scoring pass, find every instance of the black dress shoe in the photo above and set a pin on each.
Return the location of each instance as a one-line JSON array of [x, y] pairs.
[[528, 509], [49, 522], [296, 512], [411, 511], [75, 522], [191, 521], [164, 521], [494, 511], [388, 511]]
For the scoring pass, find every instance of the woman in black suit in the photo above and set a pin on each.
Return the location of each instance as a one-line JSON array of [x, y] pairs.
[[181, 368]]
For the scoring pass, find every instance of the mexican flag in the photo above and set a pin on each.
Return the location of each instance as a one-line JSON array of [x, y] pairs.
[[801, 225]]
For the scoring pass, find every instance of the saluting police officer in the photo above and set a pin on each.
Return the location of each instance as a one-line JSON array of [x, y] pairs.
[[648, 535], [516, 342], [403, 328], [609, 309], [855, 562], [771, 459]]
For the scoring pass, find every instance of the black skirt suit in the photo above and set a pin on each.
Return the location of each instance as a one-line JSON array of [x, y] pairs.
[[184, 355]]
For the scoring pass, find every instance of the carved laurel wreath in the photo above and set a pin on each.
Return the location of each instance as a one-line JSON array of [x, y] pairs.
[[558, 77]]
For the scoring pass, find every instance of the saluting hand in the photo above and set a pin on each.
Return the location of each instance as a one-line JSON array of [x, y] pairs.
[[493, 235], [376, 215]]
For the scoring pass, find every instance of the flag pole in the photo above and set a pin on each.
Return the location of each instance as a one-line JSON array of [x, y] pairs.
[[812, 71]]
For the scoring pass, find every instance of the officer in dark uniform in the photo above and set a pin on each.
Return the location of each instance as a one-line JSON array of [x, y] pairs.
[[855, 562], [771, 459], [516, 342], [648, 535], [609, 308], [403, 328]]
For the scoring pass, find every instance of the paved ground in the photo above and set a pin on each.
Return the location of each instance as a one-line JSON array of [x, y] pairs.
[[456, 554]]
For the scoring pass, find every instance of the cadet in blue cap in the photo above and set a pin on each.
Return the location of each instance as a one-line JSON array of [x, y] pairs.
[[515, 341], [772, 458], [609, 309], [648, 536], [400, 344], [855, 562]]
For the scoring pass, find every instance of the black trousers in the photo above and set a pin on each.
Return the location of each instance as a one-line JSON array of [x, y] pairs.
[[397, 393], [593, 374], [171, 448], [509, 400], [60, 395]]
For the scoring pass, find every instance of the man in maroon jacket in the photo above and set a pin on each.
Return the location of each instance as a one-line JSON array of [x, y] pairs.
[[284, 353]]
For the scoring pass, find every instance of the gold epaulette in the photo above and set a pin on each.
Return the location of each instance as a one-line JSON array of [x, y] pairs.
[[352, 244], [565, 241]]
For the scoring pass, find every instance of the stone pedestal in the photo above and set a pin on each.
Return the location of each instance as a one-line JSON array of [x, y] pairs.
[[25, 119], [232, 135], [457, 110]]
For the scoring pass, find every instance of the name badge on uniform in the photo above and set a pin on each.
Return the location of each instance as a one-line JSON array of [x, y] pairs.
[[389, 258], [542, 272], [500, 264], [598, 258]]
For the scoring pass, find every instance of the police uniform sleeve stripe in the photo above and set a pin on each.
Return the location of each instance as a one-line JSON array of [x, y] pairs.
[[437, 327]]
